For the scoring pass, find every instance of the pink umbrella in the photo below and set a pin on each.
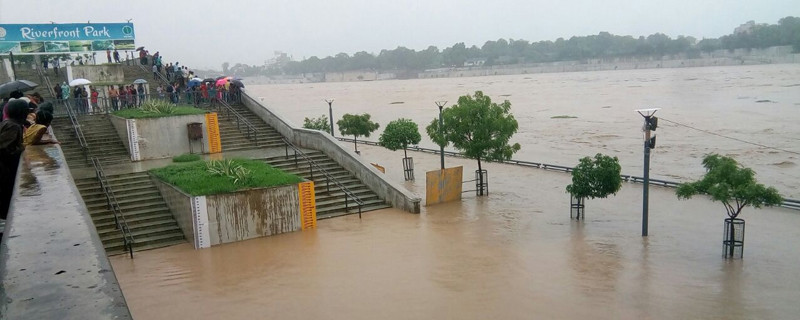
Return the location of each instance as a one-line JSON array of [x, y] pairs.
[[221, 82]]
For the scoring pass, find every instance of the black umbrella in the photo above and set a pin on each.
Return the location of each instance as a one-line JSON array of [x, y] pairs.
[[209, 80], [21, 85], [237, 83], [139, 49]]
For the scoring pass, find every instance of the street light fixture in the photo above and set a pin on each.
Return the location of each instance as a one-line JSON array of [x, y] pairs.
[[330, 112], [650, 124], [441, 104]]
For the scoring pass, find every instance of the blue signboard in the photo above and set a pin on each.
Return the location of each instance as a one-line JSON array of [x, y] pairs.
[[65, 38]]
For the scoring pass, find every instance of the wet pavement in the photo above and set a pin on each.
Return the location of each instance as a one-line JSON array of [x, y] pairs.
[[512, 255]]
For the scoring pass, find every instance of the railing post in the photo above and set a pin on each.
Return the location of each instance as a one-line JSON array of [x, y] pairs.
[[346, 207], [310, 167]]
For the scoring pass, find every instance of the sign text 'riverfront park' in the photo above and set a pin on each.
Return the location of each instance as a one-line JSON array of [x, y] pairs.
[[65, 38]]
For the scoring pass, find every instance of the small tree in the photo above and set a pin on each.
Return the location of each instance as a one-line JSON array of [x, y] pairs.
[[596, 178], [320, 124], [357, 126], [399, 134], [479, 128], [733, 185]]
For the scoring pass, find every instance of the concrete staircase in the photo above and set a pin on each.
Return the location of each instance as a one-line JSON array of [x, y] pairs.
[[330, 204], [104, 142], [233, 139], [148, 216]]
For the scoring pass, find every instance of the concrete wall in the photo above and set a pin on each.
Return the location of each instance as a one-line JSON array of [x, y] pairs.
[[253, 213], [52, 263], [5, 71], [160, 138], [180, 205], [392, 192], [99, 73]]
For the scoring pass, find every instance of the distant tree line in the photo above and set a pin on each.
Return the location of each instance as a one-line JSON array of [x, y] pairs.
[[502, 52]]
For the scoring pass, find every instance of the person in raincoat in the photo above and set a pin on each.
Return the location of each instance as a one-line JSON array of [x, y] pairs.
[[64, 91]]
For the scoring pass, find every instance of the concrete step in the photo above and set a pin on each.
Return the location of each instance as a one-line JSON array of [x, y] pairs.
[[334, 202], [143, 233], [134, 217], [352, 208], [155, 223], [91, 193], [130, 203], [148, 243], [120, 196]]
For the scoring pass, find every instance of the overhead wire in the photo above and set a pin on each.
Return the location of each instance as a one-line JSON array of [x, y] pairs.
[[731, 138]]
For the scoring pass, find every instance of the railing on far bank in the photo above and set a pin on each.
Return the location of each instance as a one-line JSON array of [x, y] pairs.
[[111, 203], [348, 195], [787, 203]]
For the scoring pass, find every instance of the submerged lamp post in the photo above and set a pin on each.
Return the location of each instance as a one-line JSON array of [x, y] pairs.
[[330, 112], [650, 124], [441, 104]]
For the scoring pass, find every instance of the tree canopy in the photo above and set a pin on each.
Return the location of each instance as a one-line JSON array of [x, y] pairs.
[[596, 178], [320, 123], [510, 51], [400, 133], [478, 127], [357, 125], [733, 185]]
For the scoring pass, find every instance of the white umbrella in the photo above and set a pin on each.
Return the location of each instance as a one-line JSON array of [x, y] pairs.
[[79, 82], [197, 79], [138, 81]]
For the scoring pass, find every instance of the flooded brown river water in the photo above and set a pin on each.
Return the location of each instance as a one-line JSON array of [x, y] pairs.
[[723, 100], [512, 255]]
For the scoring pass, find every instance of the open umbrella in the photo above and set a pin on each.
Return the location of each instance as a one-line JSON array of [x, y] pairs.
[[139, 81], [196, 79], [21, 85], [220, 77], [194, 82], [238, 78], [221, 82], [212, 80], [139, 48], [237, 83], [79, 82]]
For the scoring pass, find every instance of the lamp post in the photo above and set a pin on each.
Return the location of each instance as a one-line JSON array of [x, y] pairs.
[[650, 124], [330, 113], [441, 104]]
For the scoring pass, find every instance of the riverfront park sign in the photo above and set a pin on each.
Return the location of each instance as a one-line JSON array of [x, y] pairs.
[[65, 38]]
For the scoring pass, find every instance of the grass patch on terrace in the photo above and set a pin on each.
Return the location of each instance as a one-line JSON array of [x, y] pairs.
[[223, 176], [563, 117], [158, 109]]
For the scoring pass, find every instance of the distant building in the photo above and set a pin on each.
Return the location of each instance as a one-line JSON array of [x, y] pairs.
[[745, 28], [474, 62]]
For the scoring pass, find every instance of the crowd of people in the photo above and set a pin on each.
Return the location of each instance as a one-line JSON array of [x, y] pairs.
[[26, 121]]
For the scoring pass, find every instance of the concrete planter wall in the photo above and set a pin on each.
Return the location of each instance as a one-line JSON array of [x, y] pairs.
[[393, 193], [230, 217], [158, 138]]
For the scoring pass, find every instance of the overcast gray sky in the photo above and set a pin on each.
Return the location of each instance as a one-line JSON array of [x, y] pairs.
[[204, 33]]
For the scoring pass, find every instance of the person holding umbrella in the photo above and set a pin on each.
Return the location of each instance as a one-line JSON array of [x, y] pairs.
[[11, 148]]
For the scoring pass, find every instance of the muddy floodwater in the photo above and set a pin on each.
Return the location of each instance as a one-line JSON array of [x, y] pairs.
[[512, 255], [759, 104]]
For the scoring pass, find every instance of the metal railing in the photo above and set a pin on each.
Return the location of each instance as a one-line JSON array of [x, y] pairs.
[[45, 79], [250, 130], [78, 132], [348, 195], [161, 77], [111, 202], [787, 203]]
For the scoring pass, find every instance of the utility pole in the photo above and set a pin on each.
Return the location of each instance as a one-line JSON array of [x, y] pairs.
[[441, 104], [650, 124], [330, 112]]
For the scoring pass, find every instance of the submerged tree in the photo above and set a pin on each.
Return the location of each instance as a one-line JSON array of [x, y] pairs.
[[479, 128], [320, 123], [732, 184], [595, 178], [399, 134], [357, 126]]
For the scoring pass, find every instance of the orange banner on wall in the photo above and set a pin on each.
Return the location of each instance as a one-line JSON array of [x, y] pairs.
[[212, 126], [308, 205]]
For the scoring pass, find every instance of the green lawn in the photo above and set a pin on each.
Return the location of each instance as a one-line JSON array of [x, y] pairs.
[[195, 179], [136, 113], [186, 157]]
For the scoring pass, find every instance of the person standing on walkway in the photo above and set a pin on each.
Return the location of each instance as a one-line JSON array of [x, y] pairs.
[[11, 148], [140, 89], [155, 72], [64, 91], [171, 93], [116, 56], [57, 90], [44, 64], [94, 94], [56, 63], [108, 55], [113, 95]]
